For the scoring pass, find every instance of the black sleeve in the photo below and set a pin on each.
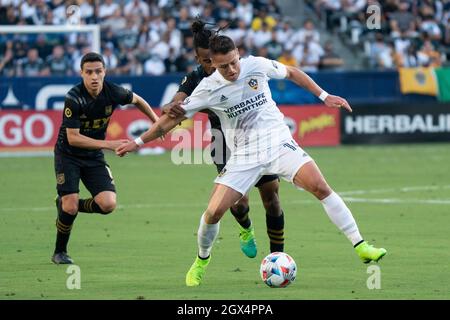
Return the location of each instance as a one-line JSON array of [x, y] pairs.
[[188, 84], [121, 95], [71, 114]]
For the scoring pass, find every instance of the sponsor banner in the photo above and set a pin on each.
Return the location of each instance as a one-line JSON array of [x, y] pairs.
[[392, 123], [314, 125], [37, 131], [191, 133], [28, 130], [310, 126]]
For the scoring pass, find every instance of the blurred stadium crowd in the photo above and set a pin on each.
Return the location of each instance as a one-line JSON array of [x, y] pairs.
[[413, 33], [153, 36]]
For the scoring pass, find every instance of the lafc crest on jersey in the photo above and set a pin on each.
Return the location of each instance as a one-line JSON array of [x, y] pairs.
[[108, 110], [253, 83], [60, 179]]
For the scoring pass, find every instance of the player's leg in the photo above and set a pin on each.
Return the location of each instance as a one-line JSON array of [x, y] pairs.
[[67, 178], [221, 200], [98, 179], [311, 179], [247, 241], [106, 201], [268, 189], [239, 210]]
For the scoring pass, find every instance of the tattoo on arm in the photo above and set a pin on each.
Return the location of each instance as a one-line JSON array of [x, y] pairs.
[[159, 131]]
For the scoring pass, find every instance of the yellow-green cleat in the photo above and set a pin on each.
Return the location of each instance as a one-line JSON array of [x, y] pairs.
[[247, 241], [369, 253], [196, 272]]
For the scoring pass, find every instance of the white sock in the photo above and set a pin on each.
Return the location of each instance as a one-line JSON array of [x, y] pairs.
[[206, 235], [341, 216]]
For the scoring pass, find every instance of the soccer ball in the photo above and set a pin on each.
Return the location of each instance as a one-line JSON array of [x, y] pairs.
[[278, 270]]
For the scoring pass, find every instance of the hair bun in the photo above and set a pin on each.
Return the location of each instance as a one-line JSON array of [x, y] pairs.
[[197, 26]]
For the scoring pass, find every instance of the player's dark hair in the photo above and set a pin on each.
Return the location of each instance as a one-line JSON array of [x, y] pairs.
[[221, 44], [91, 57], [201, 35]]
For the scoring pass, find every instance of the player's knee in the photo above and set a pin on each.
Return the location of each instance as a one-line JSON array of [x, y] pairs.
[[107, 206], [240, 208], [213, 215], [321, 189], [70, 207]]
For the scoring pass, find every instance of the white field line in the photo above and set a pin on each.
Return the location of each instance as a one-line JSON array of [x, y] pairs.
[[344, 194], [403, 189]]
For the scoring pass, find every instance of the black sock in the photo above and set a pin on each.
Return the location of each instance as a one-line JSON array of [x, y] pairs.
[[241, 216], [63, 226], [275, 231], [89, 206]]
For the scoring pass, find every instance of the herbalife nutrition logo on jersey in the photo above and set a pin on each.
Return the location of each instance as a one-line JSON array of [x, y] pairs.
[[246, 105]]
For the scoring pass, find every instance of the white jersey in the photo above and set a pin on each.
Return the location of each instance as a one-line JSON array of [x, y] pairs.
[[250, 119]]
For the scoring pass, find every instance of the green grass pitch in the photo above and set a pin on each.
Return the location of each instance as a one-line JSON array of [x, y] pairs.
[[399, 195]]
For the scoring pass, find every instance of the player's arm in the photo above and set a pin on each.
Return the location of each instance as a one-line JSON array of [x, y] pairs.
[[173, 108], [145, 108], [71, 120], [76, 139], [158, 129], [197, 101], [303, 80], [187, 86]]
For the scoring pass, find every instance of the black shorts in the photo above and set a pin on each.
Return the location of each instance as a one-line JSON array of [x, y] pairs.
[[93, 172], [220, 155]]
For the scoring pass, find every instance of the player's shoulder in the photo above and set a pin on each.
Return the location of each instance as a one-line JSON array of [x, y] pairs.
[[258, 65], [111, 86], [211, 82], [75, 93], [195, 76], [253, 59], [252, 64]]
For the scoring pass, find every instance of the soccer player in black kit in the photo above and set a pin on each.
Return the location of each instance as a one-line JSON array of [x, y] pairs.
[[268, 185], [88, 108]]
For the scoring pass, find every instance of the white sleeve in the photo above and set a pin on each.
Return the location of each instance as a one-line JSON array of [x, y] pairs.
[[197, 101], [272, 68]]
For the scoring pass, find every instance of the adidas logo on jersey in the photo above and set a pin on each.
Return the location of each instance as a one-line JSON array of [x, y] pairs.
[[223, 98]]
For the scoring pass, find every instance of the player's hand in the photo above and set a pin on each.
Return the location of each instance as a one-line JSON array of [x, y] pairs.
[[337, 102], [113, 144], [124, 148], [173, 109]]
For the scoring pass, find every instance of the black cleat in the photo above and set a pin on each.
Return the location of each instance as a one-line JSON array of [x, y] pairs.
[[61, 258]]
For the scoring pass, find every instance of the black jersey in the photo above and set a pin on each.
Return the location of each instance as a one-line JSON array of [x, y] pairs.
[[189, 83], [90, 115]]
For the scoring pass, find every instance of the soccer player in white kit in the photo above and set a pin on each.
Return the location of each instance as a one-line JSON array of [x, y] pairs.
[[260, 142]]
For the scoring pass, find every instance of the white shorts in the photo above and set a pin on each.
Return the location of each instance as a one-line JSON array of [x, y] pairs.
[[291, 157]]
